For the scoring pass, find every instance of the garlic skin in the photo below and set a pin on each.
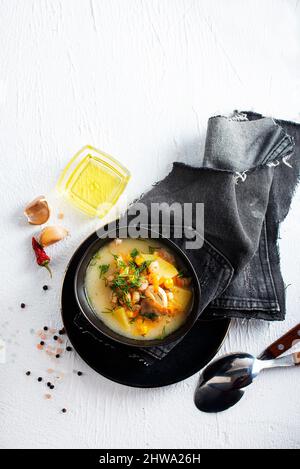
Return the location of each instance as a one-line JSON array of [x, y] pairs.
[[37, 212], [51, 235]]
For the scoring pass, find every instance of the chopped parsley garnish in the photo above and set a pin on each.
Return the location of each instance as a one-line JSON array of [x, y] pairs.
[[108, 311], [119, 261], [103, 269], [152, 249], [180, 274], [151, 316], [95, 258], [119, 283], [134, 253], [144, 266], [131, 320]]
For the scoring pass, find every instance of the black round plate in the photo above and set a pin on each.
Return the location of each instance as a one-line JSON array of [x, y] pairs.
[[191, 354]]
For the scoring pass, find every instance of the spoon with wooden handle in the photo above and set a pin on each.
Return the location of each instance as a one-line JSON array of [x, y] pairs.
[[282, 344], [221, 383]]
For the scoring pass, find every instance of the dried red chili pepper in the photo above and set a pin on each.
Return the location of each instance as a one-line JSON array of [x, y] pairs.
[[42, 258]]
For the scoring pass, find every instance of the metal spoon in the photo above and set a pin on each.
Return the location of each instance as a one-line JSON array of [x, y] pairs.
[[221, 383]]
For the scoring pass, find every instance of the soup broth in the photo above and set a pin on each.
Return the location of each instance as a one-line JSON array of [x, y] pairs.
[[137, 290]]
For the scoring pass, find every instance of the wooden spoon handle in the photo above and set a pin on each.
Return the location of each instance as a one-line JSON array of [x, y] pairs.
[[282, 344], [296, 357]]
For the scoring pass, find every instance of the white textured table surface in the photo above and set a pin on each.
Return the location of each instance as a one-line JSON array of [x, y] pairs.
[[138, 79]]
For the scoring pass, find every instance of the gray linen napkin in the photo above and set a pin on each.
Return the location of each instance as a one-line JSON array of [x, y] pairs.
[[246, 197]]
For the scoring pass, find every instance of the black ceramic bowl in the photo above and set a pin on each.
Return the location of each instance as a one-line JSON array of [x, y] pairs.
[[183, 263]]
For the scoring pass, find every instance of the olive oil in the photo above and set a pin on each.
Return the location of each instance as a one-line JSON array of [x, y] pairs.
[[93, 181]]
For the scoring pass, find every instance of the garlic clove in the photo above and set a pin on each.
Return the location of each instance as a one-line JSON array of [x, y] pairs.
[[52, 234], [37, 211]]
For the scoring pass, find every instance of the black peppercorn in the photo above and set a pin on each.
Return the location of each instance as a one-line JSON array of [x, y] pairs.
[[69, 349], [64, 411], [45, 287], [79, 373], [45, 328], [55, 337], [48, 384], [57, 355], [42, 342], [51, 386], [40, 379], [62, 331], [28, 373], [23, 305]]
